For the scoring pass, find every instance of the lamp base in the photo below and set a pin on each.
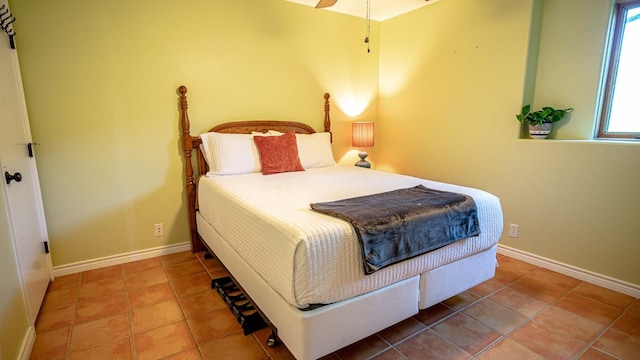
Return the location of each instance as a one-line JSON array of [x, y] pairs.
[[363, 163]]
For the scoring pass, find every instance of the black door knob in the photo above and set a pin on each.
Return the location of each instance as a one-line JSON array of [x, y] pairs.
[[17, 177]]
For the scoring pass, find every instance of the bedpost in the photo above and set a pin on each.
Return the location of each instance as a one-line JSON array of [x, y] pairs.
[[187, 146], [327, 118]]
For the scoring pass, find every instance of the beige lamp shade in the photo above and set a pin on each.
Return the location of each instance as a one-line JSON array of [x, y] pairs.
[[362, 134], [362, 137]]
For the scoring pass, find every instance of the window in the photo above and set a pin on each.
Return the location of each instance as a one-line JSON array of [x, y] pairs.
[[620, 110]]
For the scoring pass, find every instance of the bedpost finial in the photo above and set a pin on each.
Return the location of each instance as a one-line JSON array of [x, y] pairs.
[[184, 116], [327, 117]]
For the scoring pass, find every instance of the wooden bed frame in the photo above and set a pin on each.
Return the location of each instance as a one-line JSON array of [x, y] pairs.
[[189, 143]]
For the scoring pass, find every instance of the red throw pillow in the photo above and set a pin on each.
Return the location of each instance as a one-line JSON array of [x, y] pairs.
[[278, 153]]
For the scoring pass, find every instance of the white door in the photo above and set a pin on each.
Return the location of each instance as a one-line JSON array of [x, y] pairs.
[[24, 201]]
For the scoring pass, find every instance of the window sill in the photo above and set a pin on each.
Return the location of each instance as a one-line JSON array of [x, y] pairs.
[[591, 141]]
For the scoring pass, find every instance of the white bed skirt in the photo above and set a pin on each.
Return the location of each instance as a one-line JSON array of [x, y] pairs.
[[316, 333], [448, 280]]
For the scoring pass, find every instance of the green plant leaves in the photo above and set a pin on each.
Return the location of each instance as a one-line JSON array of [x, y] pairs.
[[546, 115]]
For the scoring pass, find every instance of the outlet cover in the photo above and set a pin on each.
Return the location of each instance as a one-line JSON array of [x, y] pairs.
[[513, 230], [158, 229]]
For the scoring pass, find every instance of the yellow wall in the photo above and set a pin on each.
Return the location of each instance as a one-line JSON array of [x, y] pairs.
[[452, 76], [13, 310], [101, 83], [443, 84], [569, 63]]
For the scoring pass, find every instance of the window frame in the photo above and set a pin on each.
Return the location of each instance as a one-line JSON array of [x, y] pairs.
[[613, 56]]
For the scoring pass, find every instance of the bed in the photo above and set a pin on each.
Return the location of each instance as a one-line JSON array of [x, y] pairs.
[[301, 268]]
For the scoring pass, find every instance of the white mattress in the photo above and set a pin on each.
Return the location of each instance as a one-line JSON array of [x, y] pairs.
[[310, 258]]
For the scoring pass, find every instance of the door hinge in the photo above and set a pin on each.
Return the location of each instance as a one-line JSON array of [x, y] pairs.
[[30, 148], [46, 247]]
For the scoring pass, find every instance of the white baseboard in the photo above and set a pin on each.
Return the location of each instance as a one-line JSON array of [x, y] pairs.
[[575, 272], [119, 259], [27, 344]]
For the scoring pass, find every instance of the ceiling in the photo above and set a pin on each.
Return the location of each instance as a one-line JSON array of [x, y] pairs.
[[380, 9]]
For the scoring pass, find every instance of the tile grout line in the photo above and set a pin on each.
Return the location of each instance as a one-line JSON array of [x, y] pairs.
[[587, 344], [132, 342], [75, 316], [510, 332], [197, 346], [175, 294], [505, 335], [390, 347], [458, 311], [606, 328], [75, 321], [486, 297], [532, 317], [76, 300]]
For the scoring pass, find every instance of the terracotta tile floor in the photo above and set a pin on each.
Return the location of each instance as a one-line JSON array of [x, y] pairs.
[[163, 308]]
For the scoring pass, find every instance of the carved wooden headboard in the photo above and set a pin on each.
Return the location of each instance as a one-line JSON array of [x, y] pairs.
[[190, 143]]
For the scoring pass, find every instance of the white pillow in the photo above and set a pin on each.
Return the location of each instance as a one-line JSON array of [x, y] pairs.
[[314, 150], [230, 154], [234, 154]]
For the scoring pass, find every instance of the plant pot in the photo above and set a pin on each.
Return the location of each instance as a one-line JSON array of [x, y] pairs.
[[539, 131]]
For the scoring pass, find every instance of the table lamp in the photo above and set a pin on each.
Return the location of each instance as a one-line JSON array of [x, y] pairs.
[[362, 137]]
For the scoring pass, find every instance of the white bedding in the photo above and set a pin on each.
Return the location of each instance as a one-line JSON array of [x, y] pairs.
[[309, 258]]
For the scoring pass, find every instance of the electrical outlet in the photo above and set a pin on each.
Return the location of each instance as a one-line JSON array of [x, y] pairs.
[[158, 229], [513, 230]]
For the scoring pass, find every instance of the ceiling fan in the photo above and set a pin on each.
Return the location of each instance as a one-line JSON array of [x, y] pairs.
[[325, 3]]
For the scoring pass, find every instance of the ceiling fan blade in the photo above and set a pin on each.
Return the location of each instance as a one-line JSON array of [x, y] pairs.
[[325, 3]]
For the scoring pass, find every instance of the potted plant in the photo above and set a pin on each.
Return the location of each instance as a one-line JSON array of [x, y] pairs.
[[540, 122]]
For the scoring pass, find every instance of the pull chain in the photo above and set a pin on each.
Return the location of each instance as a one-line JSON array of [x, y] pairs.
[[368, 26]]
